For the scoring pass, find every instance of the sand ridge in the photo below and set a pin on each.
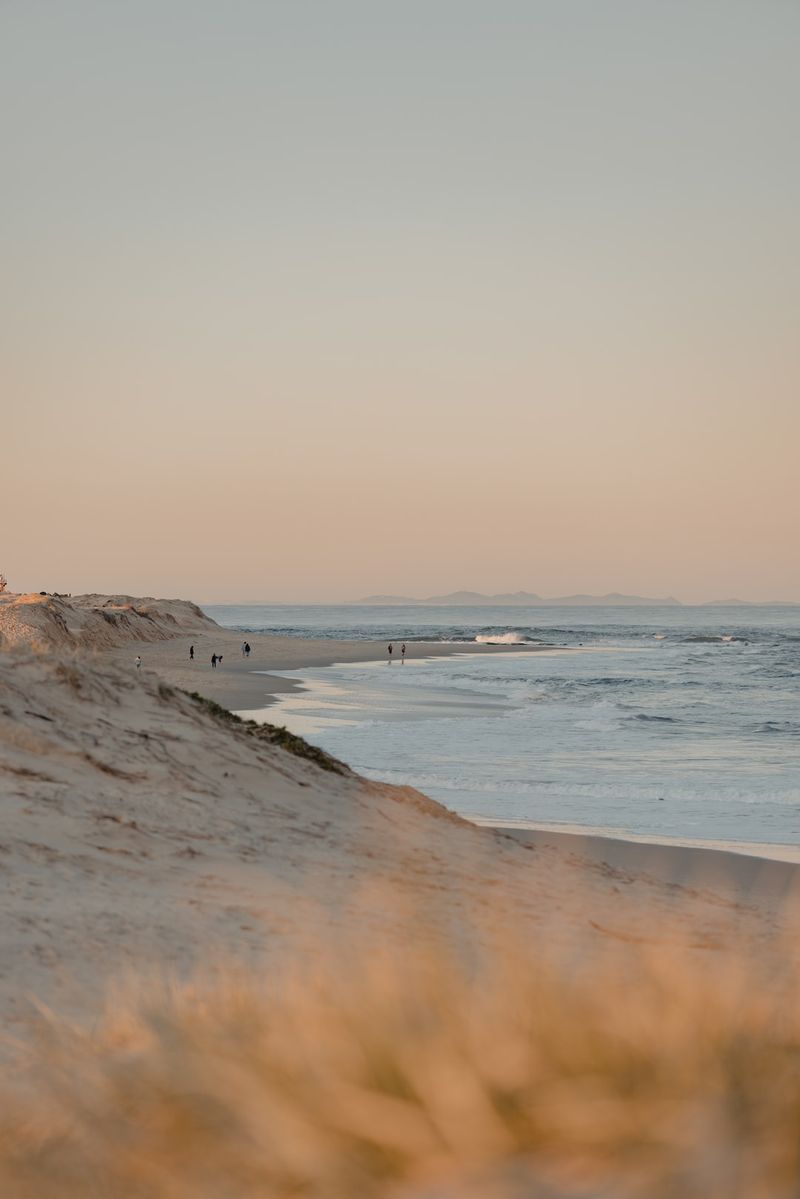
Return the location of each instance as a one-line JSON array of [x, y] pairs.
[[95, 621]]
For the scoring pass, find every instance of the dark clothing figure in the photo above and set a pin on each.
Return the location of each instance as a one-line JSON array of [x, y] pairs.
[[391, 649], [247, 649], [214, 661], [403, 654], [191, 653]]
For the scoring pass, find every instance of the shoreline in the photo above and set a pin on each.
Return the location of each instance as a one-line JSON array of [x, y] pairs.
[[173, 831], [769, 851], [247, 684], [602, 842], [742, 877]]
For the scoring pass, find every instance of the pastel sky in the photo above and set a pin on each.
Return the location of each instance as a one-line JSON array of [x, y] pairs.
[[312, 299]]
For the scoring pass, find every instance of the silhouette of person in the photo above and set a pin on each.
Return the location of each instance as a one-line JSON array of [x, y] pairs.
[[191, 653], [214, 661], [391, 648], [403, 654], [138, 662]]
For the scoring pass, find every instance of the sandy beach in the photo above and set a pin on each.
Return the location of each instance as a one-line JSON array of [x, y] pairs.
[[167, 870], [246, 683], [143, 832], [743, 877], [147, 831]]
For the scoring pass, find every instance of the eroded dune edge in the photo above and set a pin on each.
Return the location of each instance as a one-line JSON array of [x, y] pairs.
[[97, 622], [230, 966]]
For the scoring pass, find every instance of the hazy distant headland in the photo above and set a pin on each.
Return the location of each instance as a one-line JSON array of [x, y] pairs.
[[528, 599], [523, 599]]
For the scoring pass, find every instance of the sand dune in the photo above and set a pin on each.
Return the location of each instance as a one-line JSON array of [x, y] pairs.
[[463, 1011], [142, 831], [95, 621]]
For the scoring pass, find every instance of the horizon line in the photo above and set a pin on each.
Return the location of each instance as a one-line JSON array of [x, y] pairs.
[[410, 601]]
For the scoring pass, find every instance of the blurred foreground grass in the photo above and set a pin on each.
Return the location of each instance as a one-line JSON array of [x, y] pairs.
[[636, 1073]]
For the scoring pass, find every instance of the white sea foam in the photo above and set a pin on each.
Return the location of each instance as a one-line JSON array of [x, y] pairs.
[[501, 639]]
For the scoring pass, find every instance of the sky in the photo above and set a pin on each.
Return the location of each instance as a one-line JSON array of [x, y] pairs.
[[308, 300]]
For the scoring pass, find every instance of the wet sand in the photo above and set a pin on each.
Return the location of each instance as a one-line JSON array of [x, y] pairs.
[[237, 683], [740, 877]]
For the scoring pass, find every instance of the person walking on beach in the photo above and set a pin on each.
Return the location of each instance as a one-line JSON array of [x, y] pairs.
[[403, 654], [247, 649], [138, 662], [391, 648], [213, 661], [191, 653]]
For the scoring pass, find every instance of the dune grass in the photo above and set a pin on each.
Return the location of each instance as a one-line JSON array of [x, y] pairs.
[[271, 733], [370, 1077]]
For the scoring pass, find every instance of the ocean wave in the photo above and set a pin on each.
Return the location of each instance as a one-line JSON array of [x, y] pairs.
[[501, 639], [608, 681], [708, 639], [644, 718], [790, 727]]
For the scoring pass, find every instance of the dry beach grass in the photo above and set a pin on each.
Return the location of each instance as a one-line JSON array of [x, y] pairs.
[[424, 1074]]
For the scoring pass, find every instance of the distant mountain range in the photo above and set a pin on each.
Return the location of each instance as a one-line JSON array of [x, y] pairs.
[[524, 599]]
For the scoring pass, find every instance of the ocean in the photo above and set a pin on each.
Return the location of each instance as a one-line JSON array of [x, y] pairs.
[[674, 723]]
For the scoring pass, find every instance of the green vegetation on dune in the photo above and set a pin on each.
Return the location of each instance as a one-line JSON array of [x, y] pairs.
[[272, 734]]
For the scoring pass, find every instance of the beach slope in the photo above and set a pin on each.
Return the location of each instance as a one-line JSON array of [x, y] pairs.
[[143, 829]]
